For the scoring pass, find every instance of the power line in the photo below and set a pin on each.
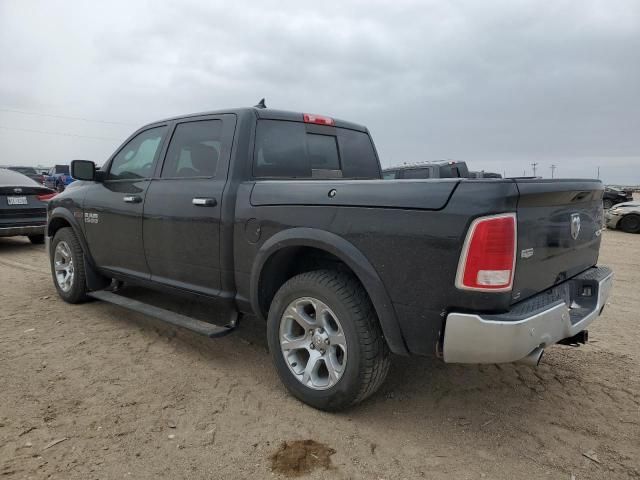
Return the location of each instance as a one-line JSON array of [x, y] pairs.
[[534, 165], [110, 139], [66, 117]]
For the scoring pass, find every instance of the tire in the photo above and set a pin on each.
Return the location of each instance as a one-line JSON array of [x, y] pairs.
[[65, 246], [630, 223], [349, 317], [36, 239], [607, 204]]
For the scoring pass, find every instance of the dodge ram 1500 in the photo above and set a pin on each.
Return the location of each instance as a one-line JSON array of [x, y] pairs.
[[286, 216]]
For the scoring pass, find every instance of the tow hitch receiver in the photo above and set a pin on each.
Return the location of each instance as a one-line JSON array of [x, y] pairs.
[[578, 339]]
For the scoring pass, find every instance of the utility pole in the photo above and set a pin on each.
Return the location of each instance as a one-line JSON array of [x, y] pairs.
[[553, 169], [598, 172], [534, 165]]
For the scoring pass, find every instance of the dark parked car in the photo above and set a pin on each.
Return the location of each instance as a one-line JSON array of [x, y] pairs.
[[58, 178], [612, 196], [625, 216], [285, 215], [23, 206], [30, 172]]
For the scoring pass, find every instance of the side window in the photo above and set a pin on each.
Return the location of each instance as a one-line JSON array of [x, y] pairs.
[[280, 150], [323, 152], [390, 175], [358, 156], [136, 159], [416, 173], [194, 150], [449, 171]]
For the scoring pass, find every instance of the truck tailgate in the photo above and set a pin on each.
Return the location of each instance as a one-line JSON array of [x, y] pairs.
[[559, 230]]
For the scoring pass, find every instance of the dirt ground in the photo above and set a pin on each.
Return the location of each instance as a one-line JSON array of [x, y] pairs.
[[125, 396]]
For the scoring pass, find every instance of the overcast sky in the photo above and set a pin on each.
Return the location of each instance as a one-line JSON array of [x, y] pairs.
[[499, 84]]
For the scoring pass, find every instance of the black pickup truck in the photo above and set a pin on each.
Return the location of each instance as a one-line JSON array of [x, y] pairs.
[[286, 216]]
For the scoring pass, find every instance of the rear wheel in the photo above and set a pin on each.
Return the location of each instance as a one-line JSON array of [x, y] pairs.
[[325, 340], [67, 266], [630, 223], [607, 204], [36, 239]]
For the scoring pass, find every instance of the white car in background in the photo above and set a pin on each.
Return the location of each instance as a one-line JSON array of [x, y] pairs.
[[624, 216]]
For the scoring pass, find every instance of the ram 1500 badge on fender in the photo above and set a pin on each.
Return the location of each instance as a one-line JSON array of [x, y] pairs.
[[286, 216]]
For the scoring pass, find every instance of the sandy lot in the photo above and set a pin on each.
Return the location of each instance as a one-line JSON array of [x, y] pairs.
[[134, 398]]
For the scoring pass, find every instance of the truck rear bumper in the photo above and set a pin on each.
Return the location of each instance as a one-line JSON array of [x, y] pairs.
[[542, 320]]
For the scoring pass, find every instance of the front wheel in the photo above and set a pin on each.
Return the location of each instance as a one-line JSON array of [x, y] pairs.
[[325, 340], [630, 223], [67, 266], [607, 204]]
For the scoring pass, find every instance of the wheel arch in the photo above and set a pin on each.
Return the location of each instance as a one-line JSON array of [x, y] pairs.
[[263, 284], [61, 218]]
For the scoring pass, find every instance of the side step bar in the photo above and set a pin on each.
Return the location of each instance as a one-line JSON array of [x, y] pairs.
[[193, 324]]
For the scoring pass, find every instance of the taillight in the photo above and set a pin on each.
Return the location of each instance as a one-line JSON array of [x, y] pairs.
[[320, 120], [488, 256], [46, 196]]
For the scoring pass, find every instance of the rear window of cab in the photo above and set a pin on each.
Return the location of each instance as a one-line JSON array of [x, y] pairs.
[[285, 149]]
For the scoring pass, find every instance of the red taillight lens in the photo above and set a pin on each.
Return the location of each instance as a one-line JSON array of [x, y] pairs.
[[47, 196], [320, 120], [488, 257]]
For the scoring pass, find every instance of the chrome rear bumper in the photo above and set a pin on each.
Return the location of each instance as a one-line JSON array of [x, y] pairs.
[[558, 313]]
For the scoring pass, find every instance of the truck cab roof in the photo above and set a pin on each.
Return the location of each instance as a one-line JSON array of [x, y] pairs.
[[263, 113]]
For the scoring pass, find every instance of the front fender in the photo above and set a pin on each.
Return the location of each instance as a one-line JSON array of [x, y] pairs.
[[352, 257], [95, 280], [64, 214]]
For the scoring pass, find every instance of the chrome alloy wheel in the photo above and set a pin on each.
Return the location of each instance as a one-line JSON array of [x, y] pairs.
[[313, 343], [63, 265]]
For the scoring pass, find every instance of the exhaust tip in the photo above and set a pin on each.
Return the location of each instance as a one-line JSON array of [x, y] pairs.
[[533, 359]]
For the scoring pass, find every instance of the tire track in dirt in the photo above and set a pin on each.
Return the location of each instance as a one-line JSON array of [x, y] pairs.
[[24, 266]]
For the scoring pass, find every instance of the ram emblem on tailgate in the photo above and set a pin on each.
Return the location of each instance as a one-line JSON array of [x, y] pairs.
[[575, 225]]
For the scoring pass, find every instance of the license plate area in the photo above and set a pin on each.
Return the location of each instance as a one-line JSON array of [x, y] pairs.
[[17, 200]]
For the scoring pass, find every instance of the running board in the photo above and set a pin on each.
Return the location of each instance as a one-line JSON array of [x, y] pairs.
[[193, 324]]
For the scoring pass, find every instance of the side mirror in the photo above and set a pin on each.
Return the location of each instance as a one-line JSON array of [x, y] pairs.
[[83, 170]]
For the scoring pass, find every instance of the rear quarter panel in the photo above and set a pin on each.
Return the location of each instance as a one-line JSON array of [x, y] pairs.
[[411, 232]]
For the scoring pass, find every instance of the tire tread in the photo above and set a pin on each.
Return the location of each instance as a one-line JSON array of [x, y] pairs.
[[373, 347], [78, 293]]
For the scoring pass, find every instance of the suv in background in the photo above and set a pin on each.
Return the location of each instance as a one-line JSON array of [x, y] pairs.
[[483, 174], [438, 169]]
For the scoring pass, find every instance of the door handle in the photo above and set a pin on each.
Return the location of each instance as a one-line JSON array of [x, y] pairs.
[[204, 202], [132, 199]]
